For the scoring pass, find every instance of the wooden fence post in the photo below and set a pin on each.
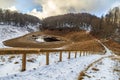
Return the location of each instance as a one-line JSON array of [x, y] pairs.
[[75, 54], [86, 53], [69, 55], [60, 56], [47, 58], [80, 53], [90, 53], [24, 62]]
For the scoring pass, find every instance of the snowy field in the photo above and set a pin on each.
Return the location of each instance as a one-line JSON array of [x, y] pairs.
[[9, 32], [68, 69], [107, 69]]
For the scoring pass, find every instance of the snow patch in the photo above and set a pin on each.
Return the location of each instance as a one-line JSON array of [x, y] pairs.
[[65, 70], [9, 32], [106, 70], [40, 39]]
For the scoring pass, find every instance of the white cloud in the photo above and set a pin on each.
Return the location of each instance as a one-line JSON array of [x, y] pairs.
[[13, 8], [36, 13], [116, 4], [56, 7], [7, 3]]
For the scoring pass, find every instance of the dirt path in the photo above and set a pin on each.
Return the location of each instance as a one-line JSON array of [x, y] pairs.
[[83, 73], [92, 67], [105, 69]]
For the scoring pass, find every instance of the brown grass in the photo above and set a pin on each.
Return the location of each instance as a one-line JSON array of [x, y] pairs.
[[114, 46], [89, 45], [71, 40], [82, 74], [95, 69], [4, 51], [79, 36]]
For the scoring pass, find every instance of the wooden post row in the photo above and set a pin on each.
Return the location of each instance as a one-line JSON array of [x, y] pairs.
[[47, 58], [69, 55], [80, 53], [60, 57], [24, 62], [86, 54], [75, 54]]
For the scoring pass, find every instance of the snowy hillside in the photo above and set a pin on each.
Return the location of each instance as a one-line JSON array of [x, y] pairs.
[[8, 32], [68, 69], [65, 70]]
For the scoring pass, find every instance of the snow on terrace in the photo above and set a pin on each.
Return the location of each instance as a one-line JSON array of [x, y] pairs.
[[66, 70], [9, 32], [107, 69], [12, 65], [40, 39]]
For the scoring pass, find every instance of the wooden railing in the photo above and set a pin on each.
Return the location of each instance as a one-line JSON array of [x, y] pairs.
[[25, 51]]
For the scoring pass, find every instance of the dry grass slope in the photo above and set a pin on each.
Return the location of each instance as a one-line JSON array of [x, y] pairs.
[[4, 51], [114, 46], [71, 41]]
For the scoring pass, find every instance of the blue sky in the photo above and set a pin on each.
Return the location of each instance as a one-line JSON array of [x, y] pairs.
[[27, 5], [44, 8]]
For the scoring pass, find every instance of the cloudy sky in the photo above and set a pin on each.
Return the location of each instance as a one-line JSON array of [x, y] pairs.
[[44, 8]]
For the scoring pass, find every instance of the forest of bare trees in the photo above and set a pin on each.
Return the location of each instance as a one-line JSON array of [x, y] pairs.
[[103, 27], [114, 17], [17, 19], [76, 22]]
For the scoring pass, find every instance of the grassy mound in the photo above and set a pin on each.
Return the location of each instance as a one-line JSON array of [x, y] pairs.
[[69, 40], [114, 46]]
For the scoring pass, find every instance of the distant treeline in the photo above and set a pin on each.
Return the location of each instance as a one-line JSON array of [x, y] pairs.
[[76, 22], [106, 26], [17, 19]]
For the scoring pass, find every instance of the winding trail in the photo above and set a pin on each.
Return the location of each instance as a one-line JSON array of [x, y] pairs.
[[70, 69], [108, 55]]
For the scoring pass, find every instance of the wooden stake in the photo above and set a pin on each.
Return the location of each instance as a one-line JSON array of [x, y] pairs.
[[75, 54], [24, 62], [84, 53], [47, 58], [80, 54], [60, 56], [69, 55]]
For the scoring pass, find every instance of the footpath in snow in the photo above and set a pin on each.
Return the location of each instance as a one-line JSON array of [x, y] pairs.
[[106, 69], [9, 32], [70, 69], [66, 70]]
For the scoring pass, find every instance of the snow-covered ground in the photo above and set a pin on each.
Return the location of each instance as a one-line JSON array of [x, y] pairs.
[[9, 32], [66, 70], [106, 69], [10, 65], [40, 39]]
